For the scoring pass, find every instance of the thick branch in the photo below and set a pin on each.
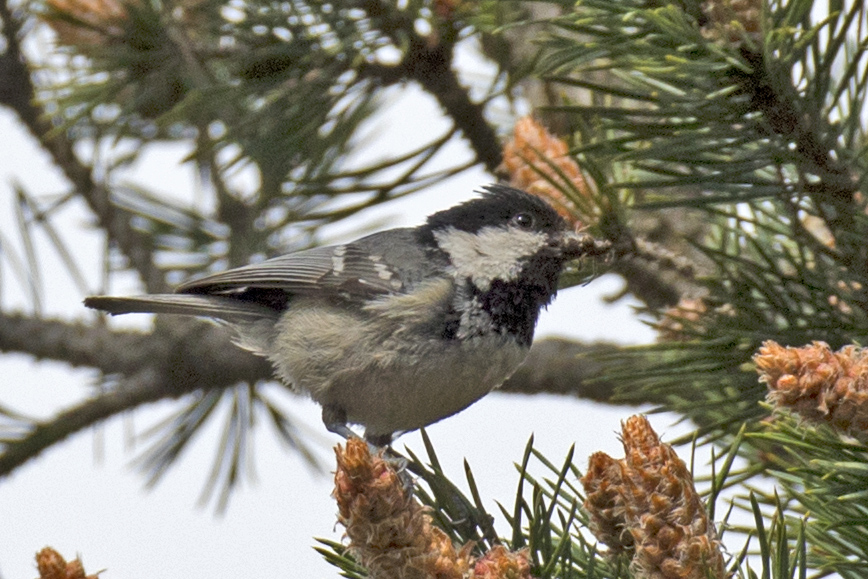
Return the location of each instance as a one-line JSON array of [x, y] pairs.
[[133, 392], [428, 61], [18, 93], [203, 355], [182, 343], [562, 366], [180, 357]]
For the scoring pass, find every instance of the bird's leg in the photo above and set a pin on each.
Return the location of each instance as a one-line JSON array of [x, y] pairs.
[[335, 420], [379, 440]]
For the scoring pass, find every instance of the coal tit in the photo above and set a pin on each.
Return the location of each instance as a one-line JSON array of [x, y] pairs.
[[401, 328]]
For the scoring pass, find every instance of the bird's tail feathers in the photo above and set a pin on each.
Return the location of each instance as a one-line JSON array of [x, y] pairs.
[[190, 305]]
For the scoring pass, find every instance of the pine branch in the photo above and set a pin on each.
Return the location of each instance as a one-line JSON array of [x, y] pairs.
[[554, 366], [120, 352], [19, 94], [179, 358], [134, 391], [428, 61], [566, 367]]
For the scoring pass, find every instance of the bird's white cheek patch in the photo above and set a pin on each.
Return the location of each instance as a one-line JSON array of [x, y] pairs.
[[490, 254]]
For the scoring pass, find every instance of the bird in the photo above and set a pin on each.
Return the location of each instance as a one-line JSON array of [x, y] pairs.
[[401, 328]]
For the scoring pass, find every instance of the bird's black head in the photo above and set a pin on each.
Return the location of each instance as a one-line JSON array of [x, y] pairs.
[[499, 206], [507, 248], [505, 235]]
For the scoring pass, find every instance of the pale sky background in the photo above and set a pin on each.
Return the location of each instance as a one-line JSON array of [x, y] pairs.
[[84, 497]]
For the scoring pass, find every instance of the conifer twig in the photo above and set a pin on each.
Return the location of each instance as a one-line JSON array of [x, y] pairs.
[[428, 61], [18, 93]]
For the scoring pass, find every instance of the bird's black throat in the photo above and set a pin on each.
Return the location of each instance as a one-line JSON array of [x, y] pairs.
[[508, 307], [513, 308]]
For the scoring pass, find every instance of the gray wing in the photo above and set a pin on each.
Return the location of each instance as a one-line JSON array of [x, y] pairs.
[[350, 269], [386, 262]]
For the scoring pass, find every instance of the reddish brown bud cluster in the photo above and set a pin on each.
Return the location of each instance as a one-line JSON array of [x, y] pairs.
[[392, 535], [52, 566], [818, 384], [82, 23], [646, 505], [731, 21], [534, 159]]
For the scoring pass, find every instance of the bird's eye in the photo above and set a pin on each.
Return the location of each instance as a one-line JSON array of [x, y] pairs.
[[523, 220]]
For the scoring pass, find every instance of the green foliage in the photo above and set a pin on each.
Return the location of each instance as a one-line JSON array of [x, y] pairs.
[[781, 556], [282, 90], [338, 555], [825, 478], [761, 136], [546, 519], [245, 406]]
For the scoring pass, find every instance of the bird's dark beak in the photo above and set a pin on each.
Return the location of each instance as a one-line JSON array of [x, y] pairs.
[[575, 245]]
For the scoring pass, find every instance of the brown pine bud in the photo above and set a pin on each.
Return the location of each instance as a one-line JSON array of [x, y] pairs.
[[818, 384], [646, 504], [389, 531], [604, 504], [537, 161], [51, 565]]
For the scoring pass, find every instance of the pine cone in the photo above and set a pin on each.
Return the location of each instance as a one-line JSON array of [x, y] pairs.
[[52, 565], [389, 531], [649, 497], [535, 160], [818, 384]]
